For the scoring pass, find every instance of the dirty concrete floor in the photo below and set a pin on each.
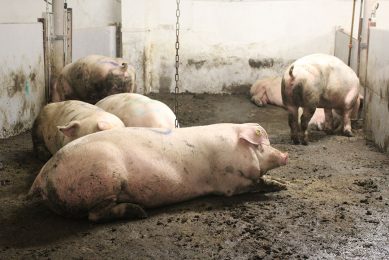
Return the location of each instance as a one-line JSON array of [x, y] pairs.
[[336, 205]]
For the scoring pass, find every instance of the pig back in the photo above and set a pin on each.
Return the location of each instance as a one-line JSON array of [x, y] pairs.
[[92, 78], [45, 130], [136, 110], [320, 80]]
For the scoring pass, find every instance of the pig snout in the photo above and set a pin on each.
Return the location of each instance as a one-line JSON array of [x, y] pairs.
[[283, 160]]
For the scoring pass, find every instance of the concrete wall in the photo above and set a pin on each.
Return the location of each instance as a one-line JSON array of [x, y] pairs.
[[97, 40], [341, 51], [377, 82], [93, 27], [22, 89], [225, 45], [21, 53]]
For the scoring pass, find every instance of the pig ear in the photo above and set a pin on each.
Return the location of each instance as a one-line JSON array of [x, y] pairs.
[[124, 66], [70, 129], [255, 135], [102, 125]]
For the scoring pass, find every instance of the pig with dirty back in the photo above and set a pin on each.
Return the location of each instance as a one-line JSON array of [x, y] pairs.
[[319, 81], [62, 122], [138, 110], [119, 173], [92, 78]]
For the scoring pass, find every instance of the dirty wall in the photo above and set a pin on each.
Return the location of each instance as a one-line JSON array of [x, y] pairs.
[[377, 89], [21, 53], [22, 88], [225, 45], [342, 40]]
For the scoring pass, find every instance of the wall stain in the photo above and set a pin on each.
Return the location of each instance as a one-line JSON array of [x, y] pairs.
[[18, 80], [198, 64], [261, 63], [237, 89], [25, 83]]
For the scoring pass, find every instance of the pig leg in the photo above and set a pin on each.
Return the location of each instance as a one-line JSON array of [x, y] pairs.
[[329, 121], [347, 123], [269, 184], [293, 124], [260, 98], [305, 118], [110, 209]]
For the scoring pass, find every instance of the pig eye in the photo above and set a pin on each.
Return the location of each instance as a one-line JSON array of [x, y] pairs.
[[259, 147]]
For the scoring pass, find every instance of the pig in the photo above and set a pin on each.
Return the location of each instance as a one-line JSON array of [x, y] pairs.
[[136, 110], [267, 91], [119, 173], [319, 80], [92, 78], [62, 122], [318, 119]]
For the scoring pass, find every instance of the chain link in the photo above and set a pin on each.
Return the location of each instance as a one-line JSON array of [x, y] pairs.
[[177, 77]]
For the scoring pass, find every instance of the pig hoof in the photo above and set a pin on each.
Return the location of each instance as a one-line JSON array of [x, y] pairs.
[[257, 102], [329, 131], [295, 140], [348, 133], [269, 184]]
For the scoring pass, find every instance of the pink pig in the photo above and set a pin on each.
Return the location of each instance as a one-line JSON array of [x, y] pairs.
[[138, 110], [62, 122], [319, 80], [92, 78], [118, 173]]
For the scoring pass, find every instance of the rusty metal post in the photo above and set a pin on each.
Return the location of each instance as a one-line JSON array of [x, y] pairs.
[[359, 37], [58, 39], [350, 46]]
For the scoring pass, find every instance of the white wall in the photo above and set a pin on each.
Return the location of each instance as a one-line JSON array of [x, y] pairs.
[[95, 13], [377, 80], [22, 88], [218, 38], [21, 11]]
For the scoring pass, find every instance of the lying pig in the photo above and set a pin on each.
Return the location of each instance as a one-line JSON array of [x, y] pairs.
[[267, 91], [137, 110], [319, 80], [92, 78], [59, 123], [118, 173]]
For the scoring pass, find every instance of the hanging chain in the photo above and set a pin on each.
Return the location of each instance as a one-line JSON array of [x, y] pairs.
[[177, 78]]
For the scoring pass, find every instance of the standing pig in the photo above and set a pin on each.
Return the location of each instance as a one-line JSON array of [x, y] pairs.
[[267, 91], [92, 78], [319, 80], [137, 110], [59, 123], [117, 173]]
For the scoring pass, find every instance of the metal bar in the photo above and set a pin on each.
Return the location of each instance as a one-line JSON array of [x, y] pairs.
[[177, 77], [46, 63], [359, 37], [58, 56], [351, 35], [69, 35]]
